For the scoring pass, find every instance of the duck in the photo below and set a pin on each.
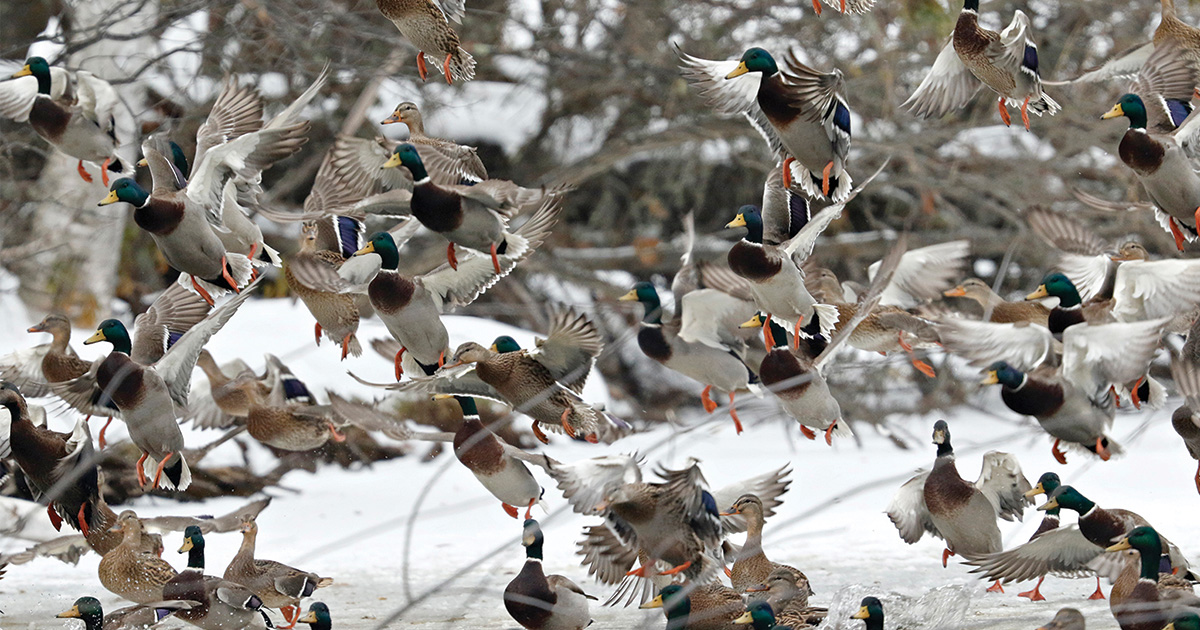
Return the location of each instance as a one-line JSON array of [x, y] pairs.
[[871, 612], [286, 424], [130, 572], [694, 343], [997, 309], [1102, 526], [59, 366], [81, 126], [448, 163], [472, 216], [885, 330], [152, 397], [1070, 396], [61, 468], [776, 280], [964, 514], [788, 597], [225, 404], [1184, 621], [760, 616], [426, 23], [506, 477], [317, 617], [1186, 418], [1135, 599], [184, 222], [1085, 258], [89, 610], [1066, 619], [698, 606], [1005, 62], [411, 306], [224, 605], [801, 112], [277, 585], [1062, 551], [544, 602], [751, 566]]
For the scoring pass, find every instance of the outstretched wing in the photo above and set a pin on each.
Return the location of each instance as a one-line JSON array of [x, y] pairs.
[[768, 487], [1004, 485], [948, 86], [1062, 551], [570, 348], [1022, 345], [908, 512]]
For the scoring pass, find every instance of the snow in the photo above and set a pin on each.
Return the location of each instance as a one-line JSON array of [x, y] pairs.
[[425, 541]]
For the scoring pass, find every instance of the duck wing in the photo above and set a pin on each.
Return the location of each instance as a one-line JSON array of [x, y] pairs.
[[1004, 485], [948, 86]]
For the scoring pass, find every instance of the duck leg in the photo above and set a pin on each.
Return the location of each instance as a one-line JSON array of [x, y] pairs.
[[1035, 595], [495, 259], [161, 465], [228, 277], [843, 7], [290, 614], [141, 476], [104, 171], [817, 6], [796, 334], [510, 510], [728, 573], [1198, 478], [1133, 393], [537, 433], [55, 519], [446, 69], [102, 430], [1004, 114], [199, 289], [334, 434], [787, 162], [768, 336], [421, 64], [83, 174], [829, 432], [1102, 450], [83, 526], [1025, 112], [451, 257], [1177, 233], [317, 329], [679, 569], [807, 432], [946, 556], [346, 345], [1097, 594], [399, 367], [1059, 456], [737, 422], [707, 401], [828, 167], [640, 571], [921, 366], [995, 588], [529, 509], [566, 425]]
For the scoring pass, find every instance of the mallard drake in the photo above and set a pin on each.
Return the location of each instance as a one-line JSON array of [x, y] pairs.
[[1186, 418], [506, 477], [1135, 599], [411, 306], [1102, 526], [1070, 396], [777, 282], [89, 610], [1066, 619], [1062, 551], [152, 397], [871, 612], [1006, 62], [698, 343], [751, 566], [224, 605], [1070, 309], [448, 163], [61, 467], [788, 598], [277, 585], [760, 616], [184, 222], [474, 216], [131, 572], [997, 309], [1184, 621], [801, 113], [698, 606], [317, 617], [81, 126], [426, 23], [544, 602], [944, 504]]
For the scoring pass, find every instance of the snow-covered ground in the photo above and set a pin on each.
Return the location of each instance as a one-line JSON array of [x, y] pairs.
[[423, 545]]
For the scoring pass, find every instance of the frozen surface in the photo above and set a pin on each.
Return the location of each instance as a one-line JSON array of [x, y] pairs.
[[427, 543]]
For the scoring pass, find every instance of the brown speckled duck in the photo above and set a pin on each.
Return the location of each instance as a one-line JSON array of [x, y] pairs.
[[751, 566], [998, 309], [426, 23], [448, 163], [277, 585], [699, 606], [130, 572]]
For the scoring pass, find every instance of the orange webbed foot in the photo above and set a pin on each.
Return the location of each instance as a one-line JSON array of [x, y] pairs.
[[510, 510], [707, 401], [1102, 450], [399, 367], [103, 429], [1097, 594], [83, 174], [946, 556], [537, 433], [995, 588], [495, 260], [334, 434], [161, 465], [825, 172], [829, 433], [83, 526], [737, 422], [421, 64], [1176, 233], [566, 425], [1004, 114], [1034, 595], [141, 476], [529, 509], [346, 346], [104, 171], [317, 330], [640, 571], [677, 570], [451, 257], [204, 294], [55, 519], [1059, 456], [446, 69], [807, 432]]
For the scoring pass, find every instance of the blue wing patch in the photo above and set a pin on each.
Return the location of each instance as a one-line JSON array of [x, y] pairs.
[[1031, 59], [710, 504], [841, 116], [798, 213], [295, 389], [348, 232], [1179, 110]]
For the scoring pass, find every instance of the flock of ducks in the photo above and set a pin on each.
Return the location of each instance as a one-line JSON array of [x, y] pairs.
[[770, 320]]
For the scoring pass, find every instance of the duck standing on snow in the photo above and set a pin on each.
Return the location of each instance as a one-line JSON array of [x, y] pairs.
[[224, 605], [276, 584], [944, 504], [544, 602]]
